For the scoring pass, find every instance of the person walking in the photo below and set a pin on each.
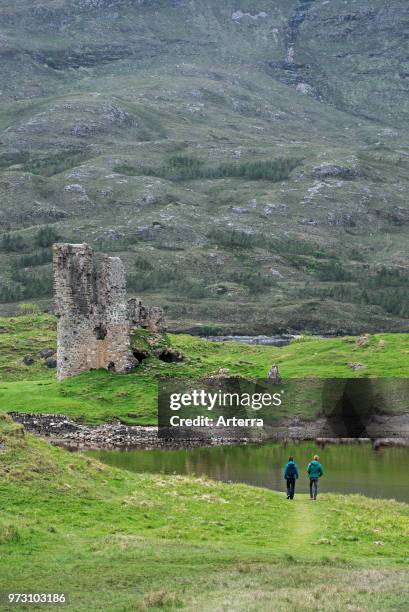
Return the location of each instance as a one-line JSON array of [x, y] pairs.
[[315, 471], [291, 475]]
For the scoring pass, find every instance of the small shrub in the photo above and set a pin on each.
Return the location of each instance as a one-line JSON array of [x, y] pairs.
[[11, 292], [387, 277], [26, 285], [237, 239], [210, 330], [46, 236], [35, 259], [9, 534], [126, 169], [190, 288], [143, 264], [159, 599], [332, 271], [301, 339], [184, 167], [49, 166], [266, 170], [26, 308], [149, 280], [254, 282], [12, 243]]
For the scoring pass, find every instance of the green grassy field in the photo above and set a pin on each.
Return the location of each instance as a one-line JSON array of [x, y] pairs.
[[115, 540], [102, 396]]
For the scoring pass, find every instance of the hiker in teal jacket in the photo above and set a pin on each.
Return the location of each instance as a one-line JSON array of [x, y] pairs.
[[291, 475], [315, 471]]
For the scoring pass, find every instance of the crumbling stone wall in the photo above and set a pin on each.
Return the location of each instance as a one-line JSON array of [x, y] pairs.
[[139, 316], [90, 304], [94, 318]]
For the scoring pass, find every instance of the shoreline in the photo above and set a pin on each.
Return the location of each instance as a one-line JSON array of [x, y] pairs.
[[62, 431]]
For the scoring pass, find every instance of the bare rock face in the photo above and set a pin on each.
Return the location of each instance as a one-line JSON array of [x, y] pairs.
[[94, 318], [335, 171]]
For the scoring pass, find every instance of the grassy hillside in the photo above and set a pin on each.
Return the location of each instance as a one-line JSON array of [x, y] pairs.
[[249, 164], [115, 540], [102, 396]]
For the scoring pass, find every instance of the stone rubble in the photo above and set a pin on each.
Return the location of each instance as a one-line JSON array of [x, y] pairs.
[[383, 431], [62, 431]]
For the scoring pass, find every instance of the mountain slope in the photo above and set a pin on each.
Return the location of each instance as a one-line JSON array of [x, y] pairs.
[[249, 161]]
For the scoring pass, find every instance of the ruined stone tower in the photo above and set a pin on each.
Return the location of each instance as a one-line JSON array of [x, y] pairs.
[[93, 329]]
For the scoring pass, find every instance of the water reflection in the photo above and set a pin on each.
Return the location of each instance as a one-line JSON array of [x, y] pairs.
[[352, 468]]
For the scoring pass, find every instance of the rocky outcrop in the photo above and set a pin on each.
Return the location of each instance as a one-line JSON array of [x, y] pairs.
[[335, 171], [288, 70]]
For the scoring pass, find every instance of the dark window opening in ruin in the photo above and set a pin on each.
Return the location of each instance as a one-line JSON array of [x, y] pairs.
[[111, 366], [100, 332], [140, 355]]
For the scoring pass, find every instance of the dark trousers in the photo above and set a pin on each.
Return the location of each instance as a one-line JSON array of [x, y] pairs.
[[290, 487], [313, 485]]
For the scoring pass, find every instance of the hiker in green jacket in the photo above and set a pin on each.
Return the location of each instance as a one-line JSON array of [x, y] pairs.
[[315, 471]]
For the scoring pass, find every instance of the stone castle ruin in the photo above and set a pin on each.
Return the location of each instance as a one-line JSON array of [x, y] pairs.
[[95, 319]]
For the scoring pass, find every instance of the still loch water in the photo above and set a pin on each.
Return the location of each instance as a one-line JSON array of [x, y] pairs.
[[352, 468]]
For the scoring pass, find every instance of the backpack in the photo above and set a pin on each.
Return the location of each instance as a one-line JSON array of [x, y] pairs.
[[290, 472]]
